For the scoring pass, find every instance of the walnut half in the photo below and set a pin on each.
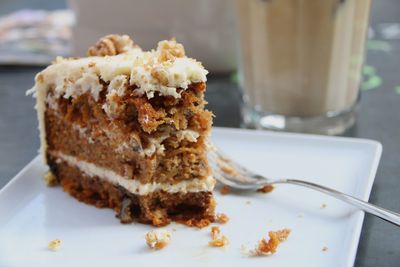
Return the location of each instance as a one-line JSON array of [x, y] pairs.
[[111, 45], [169, 50]]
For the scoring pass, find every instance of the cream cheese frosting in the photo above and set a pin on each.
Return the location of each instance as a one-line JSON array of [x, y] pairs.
[[150, 72]]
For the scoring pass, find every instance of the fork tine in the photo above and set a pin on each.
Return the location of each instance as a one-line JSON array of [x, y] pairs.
[[228, 171]]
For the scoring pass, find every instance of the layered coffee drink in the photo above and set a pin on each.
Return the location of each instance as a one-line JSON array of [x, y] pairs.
[[302, 58]]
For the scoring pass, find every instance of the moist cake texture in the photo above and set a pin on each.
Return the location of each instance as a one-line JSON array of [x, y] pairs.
[[126, 129]]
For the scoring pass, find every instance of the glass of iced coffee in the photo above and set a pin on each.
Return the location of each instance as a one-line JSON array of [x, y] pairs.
[[301, 63]]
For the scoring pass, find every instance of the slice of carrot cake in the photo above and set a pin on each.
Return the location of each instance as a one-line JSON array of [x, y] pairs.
[[127, 129]]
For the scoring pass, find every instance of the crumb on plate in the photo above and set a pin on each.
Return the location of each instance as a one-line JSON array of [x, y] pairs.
[[266, 189], [54, 244], [268, 247], [158, 239], [50, 179], [221, 218], [325, 249], [323, 206], [248, 202], [225, 190], [217, 240]]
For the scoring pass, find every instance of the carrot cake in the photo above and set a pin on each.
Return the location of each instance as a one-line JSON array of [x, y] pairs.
[[126, 129]]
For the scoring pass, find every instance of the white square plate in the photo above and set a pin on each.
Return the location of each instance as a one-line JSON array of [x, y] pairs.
[[32, 214]]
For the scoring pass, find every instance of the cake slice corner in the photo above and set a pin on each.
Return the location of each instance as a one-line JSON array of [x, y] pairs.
[[127, 129]]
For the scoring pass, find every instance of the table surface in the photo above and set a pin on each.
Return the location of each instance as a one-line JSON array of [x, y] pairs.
[[378, 119]]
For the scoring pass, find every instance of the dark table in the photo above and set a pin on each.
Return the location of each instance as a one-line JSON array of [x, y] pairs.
[[379, 119]]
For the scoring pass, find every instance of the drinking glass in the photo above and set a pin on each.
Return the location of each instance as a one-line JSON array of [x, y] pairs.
[[301, 63]]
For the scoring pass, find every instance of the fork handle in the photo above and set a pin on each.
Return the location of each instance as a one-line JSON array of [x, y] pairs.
[[382, 213]]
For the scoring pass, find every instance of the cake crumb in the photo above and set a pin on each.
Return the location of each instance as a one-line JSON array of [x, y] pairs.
[[50, 179], [217, 240], [54, 244], [268, 247], [215, 231], [199, 223], [300, 216], [222, 218], [325, 249], [266, 189], [225, 190], [158, 239], [323, 206], [248, 202]]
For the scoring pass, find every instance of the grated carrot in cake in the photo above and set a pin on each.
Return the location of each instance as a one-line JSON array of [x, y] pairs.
[[199, 223]]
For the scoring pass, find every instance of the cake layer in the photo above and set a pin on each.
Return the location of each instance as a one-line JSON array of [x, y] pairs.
[[134, 186], [170, 158], [134, 113], [157, 208]]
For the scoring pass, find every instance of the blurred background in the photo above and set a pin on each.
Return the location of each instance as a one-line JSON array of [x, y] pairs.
[[33, 32]]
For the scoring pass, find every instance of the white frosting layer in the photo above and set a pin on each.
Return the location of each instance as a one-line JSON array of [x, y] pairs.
[[135, 187], [145, 70]]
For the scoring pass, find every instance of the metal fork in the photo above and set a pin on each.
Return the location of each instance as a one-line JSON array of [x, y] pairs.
[[232, 174]]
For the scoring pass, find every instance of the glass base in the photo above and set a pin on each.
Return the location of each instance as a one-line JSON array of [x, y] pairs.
[[331, 123]]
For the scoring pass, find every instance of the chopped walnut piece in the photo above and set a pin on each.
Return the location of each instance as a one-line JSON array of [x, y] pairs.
[[269, 247], [222, 218], [225, 190], [158, 239], [266, 189], [54, 245], [125, 215], [111, 45], [50, 179], [217, 240], [169, 50]]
